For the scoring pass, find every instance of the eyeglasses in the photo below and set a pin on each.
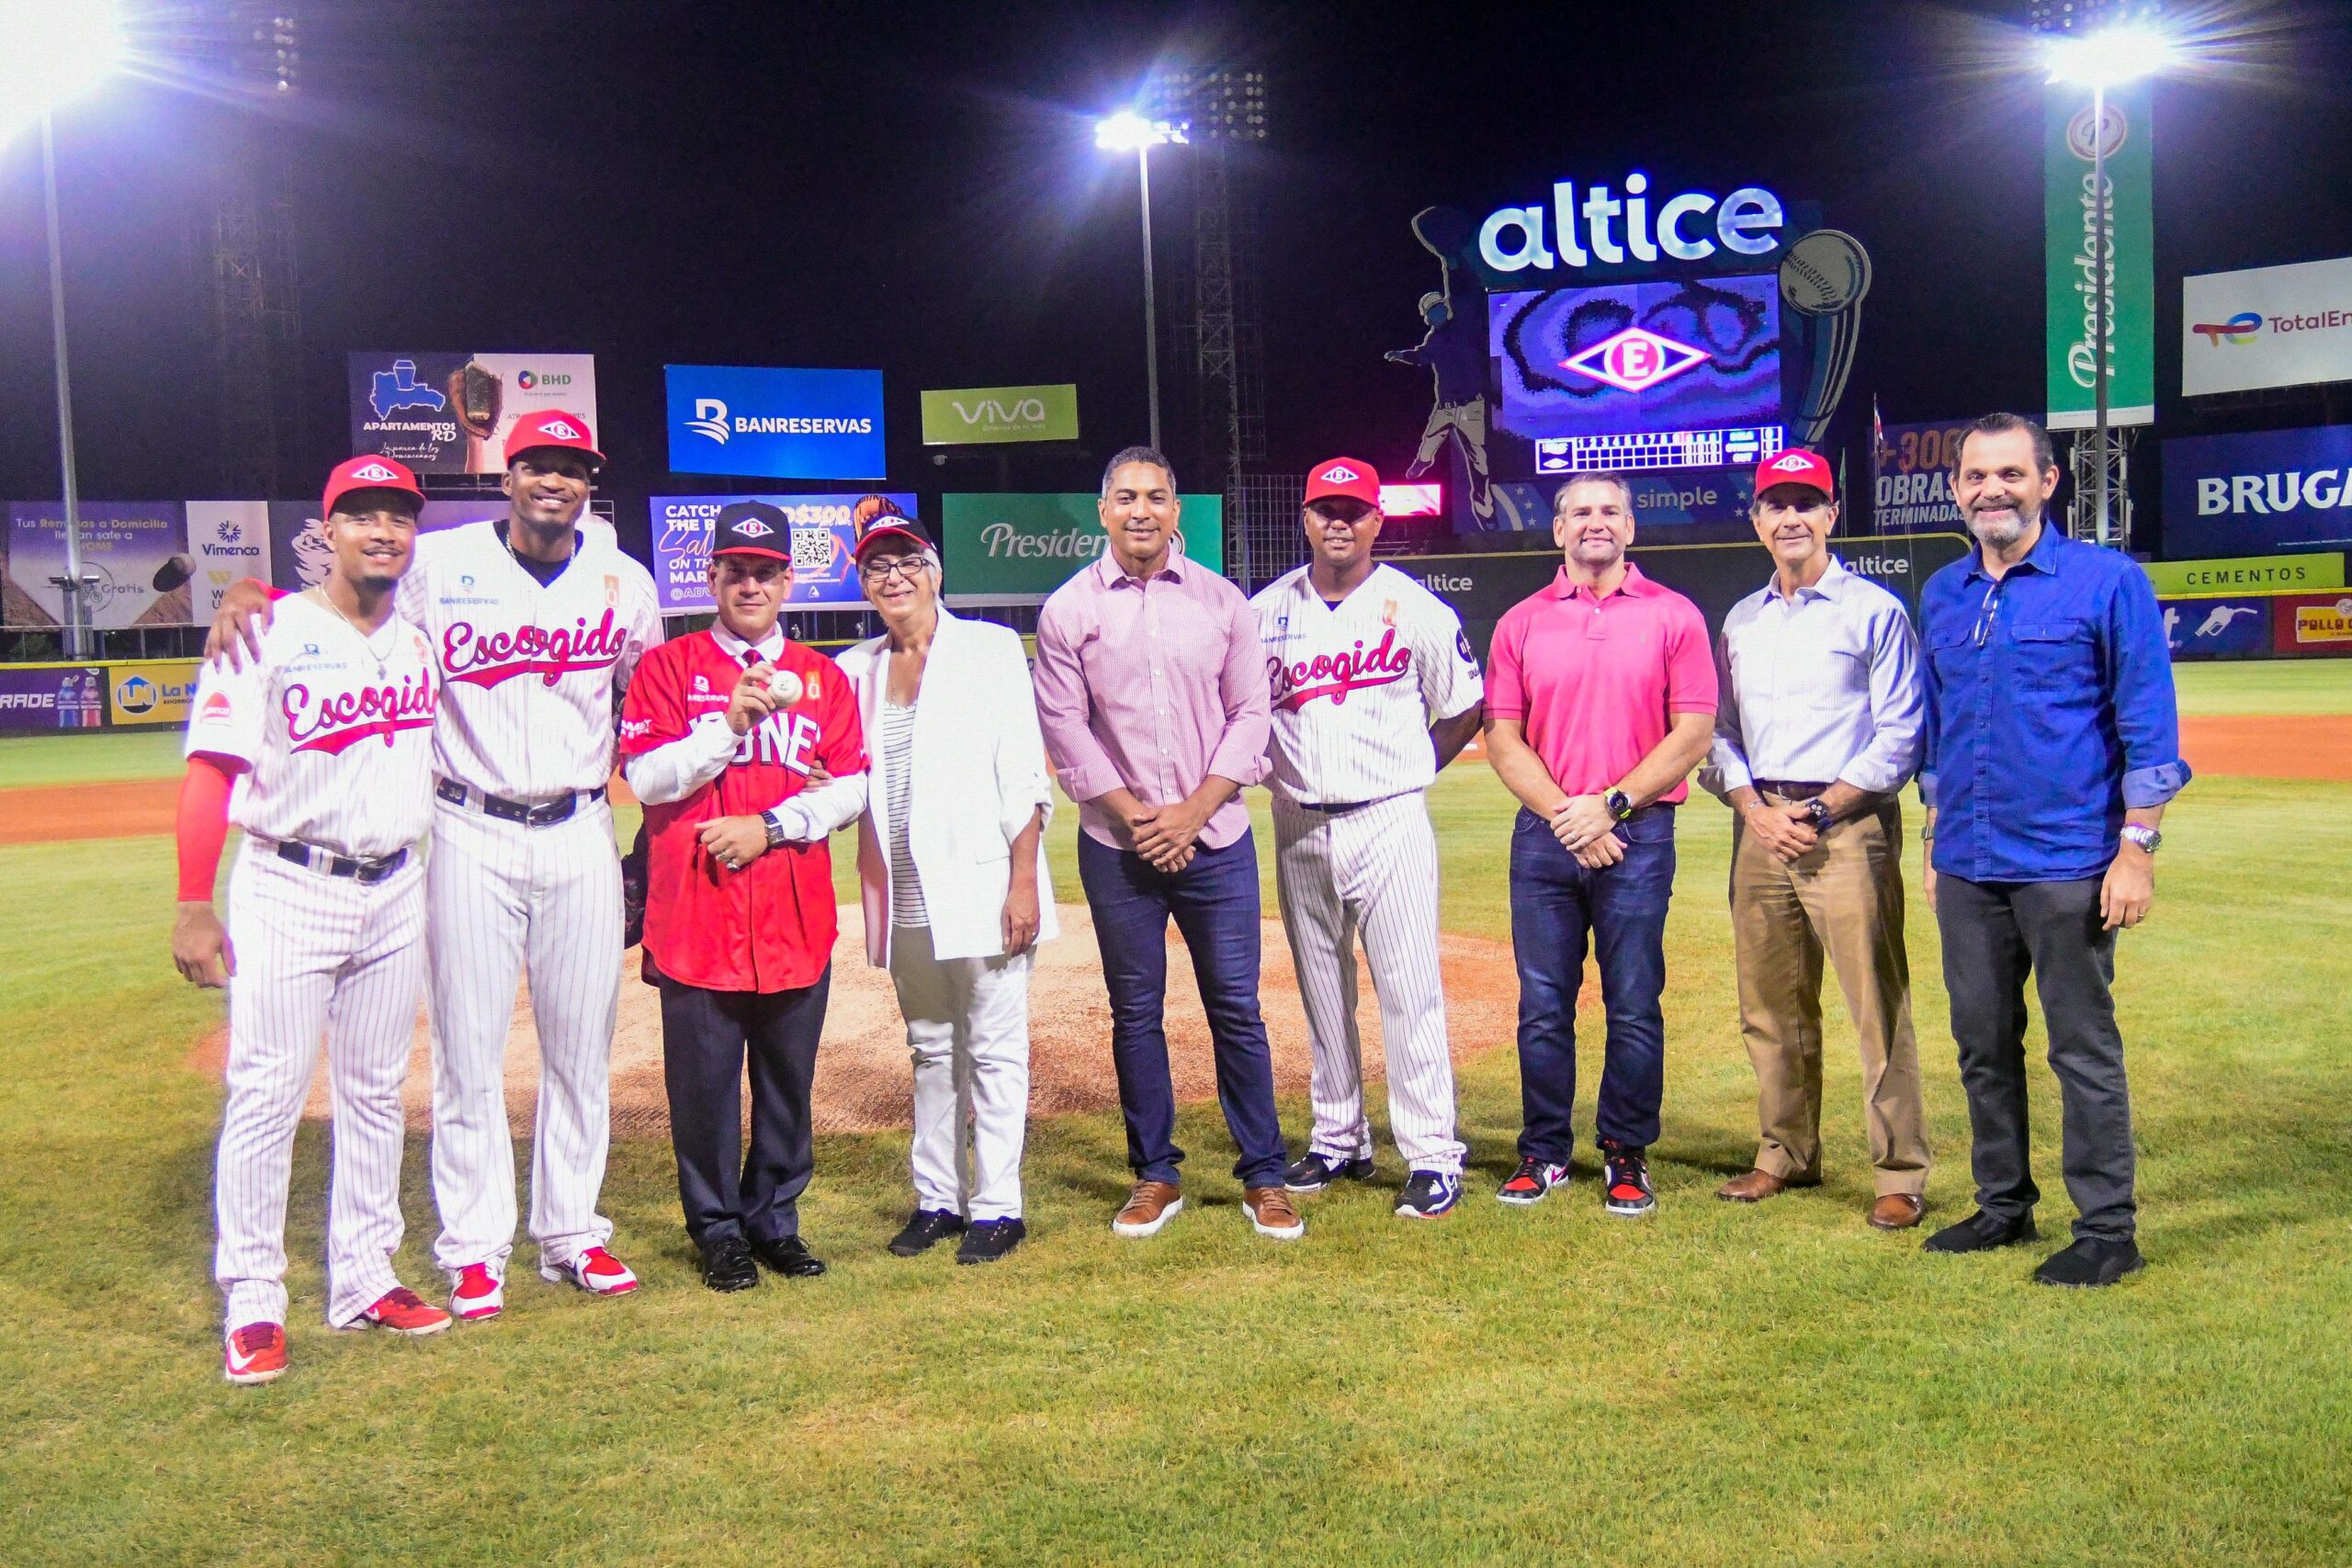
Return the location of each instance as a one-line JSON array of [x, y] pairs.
[[882, 570], [1987, 612]]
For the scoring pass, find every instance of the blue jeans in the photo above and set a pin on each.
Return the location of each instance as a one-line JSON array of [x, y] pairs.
[[1214, 902], [1554, 904]]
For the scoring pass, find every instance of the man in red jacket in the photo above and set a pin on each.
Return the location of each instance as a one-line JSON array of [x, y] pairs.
[[719, 735]]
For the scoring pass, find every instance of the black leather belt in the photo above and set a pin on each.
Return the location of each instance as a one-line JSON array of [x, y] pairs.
[[1788, 789], [1339, 808], [329, 863], [546, 813]]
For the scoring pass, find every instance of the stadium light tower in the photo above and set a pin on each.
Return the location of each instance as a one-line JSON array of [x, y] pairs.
[[49, 53], [2098, 61], [1128, 131]]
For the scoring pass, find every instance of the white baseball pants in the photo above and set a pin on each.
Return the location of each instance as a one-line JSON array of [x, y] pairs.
[[504, 898], [1372, 870], [967, 1029], [315, 954]]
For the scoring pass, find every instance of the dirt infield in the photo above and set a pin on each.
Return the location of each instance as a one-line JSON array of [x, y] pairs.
[[862, 1073]]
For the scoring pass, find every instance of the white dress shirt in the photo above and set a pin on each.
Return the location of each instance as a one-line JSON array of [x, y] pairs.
[[1817, 688]]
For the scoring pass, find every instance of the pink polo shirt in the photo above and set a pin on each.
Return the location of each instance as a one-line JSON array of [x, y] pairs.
[[1595, 680]]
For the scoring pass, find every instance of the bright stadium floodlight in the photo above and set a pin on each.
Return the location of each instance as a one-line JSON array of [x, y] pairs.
[[51, 50], [2109, 57], [1128, 132]]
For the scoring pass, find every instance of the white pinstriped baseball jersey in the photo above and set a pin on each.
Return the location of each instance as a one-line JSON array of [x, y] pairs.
[[337, 741], [1357, 687], [528, 672]]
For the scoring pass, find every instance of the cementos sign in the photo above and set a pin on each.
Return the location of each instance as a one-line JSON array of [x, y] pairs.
[[2260, 494], [2267, 326], [809, 424], [1579, 230]]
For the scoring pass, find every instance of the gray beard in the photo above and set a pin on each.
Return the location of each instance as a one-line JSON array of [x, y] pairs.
[[1999, 536]]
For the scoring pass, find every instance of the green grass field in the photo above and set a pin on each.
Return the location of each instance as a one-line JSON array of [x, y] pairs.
[[1721, 1385]]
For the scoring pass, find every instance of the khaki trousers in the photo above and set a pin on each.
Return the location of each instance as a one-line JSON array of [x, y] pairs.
[[1844, 898]]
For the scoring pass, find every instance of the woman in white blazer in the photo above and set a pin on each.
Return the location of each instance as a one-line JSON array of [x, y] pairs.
[[951, 865]]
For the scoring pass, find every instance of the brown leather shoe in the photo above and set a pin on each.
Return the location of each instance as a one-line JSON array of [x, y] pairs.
[[1753, 1188], [1897, 1212], [1272, 1213], [1151, 1205]]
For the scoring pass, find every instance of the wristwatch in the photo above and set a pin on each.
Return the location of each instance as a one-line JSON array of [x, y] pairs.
[[1620, 804], [1818, 809], [2148, 838], [775, 828]]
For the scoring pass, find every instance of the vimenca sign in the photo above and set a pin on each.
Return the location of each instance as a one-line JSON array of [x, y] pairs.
[[1597, 226]]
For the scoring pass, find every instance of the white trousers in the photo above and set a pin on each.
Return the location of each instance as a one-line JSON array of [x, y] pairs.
[[1372, 870], [504, 898], [315, 954], [967, 1029]]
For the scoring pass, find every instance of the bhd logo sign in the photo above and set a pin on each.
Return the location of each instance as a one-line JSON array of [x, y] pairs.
[[1635, 359], [819, 425]]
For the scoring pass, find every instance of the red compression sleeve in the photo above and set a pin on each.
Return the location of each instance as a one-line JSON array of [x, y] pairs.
[[275, 593], [203, 827]]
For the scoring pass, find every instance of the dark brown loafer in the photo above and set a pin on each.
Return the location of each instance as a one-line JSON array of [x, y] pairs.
[[1897, 1212]]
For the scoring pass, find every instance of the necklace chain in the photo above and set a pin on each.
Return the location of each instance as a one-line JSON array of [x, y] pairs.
[[367, 639]]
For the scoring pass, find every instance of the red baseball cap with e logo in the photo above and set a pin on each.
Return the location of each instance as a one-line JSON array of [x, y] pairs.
[[1351, 476], [369, 473], [1795, 467], [552, 428]]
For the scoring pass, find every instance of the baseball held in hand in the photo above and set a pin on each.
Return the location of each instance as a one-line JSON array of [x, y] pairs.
[[784, 687]]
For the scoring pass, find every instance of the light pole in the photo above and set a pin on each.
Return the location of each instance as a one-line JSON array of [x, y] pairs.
[[48, 53], [2102, 60], [1128, 131]]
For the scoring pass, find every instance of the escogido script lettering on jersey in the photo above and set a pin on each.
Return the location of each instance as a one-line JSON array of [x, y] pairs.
[[332, 722], [1339, 673], [1515, 238], [486, 659]]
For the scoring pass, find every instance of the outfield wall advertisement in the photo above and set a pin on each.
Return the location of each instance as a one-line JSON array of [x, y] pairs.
[[2267, 492], [136, 550], [2267, 326], [2312, 624], [51, 697], [1016, 549], [450, 413], [824, 527], [151, 692]]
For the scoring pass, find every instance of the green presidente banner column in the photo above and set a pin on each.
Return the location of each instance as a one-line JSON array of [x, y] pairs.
[[2071, 212], [1017, 548]]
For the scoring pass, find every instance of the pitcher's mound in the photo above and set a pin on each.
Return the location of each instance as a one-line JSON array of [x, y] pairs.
[[862, 1071]]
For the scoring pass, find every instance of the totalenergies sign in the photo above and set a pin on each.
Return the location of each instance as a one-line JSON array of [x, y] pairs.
[[1688, 228]]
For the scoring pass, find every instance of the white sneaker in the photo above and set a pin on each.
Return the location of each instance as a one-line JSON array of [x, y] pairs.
[[478, 1295], [596, 1272]]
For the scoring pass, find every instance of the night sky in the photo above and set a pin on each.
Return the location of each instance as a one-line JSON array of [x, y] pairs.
[[915, 188]]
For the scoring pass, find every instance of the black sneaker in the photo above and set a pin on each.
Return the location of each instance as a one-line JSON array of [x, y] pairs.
[[1981, 1232], [1625, 1180], [727, 1263], [2092, 1262], [988, 1240], [1429, 1195], [1531, 1182], [1316, 1172], [926, 1230]]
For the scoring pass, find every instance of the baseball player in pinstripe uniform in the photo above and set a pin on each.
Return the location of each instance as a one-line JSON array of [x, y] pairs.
[[535, 623], [321, 749], [1375, 689]]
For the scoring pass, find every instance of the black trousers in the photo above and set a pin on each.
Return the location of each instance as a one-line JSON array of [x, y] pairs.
[[1995, 933], [705, 1037]]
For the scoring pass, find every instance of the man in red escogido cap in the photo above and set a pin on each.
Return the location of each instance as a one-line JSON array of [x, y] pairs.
[[536, 622]]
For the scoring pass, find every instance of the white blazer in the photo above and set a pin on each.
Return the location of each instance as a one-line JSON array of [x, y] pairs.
[[979, 775]]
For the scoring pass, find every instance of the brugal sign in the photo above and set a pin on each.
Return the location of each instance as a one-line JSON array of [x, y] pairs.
[[1585, 230]]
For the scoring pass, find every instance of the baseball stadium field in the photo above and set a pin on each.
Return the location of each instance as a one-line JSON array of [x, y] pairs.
[[1722, 1384]]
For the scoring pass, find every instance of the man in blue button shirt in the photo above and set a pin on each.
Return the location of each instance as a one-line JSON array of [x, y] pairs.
[[2053, 746]]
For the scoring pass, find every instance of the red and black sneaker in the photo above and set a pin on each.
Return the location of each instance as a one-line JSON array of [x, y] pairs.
[[1531, 1183], [1625, 1180]]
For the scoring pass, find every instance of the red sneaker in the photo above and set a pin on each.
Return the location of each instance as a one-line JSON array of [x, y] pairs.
[[479, 1294], [403, 1311], [596, 1272], [257, 1354]]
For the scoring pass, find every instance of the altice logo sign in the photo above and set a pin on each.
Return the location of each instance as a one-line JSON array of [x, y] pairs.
[[1577, 232]]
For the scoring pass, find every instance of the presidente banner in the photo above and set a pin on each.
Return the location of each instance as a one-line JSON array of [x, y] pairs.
[[449, 413], [151, 692], [824, 527], [226, 540], [802, 425], [1911, 484], [2268, 491], [136, 550], [1017, 548], [51, 697], [972, 416], [2072, 211], [2267, 326], [298, 555]]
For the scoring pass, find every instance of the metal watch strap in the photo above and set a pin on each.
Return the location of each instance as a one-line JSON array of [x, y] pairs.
[[776, 827]]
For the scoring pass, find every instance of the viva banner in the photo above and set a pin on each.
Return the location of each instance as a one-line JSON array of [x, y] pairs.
[[2071, 211], [1017, 548]]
